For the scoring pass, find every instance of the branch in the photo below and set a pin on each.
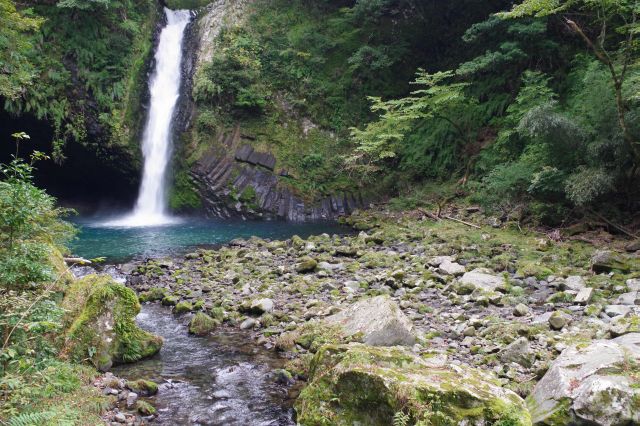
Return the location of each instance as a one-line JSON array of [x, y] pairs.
[[600, 53]]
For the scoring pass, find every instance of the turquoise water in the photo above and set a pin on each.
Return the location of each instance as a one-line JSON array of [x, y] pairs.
[[122, 243]]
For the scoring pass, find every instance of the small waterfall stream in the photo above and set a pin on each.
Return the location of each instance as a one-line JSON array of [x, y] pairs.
[[151, 207]]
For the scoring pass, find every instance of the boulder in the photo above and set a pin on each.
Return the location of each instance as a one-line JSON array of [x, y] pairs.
[[608, 261], [478, 279], [378, 320], [574, 282], [262, 306], [622, 325], [202, 324], [359, 384], [451, 268], [591, 384], [306, 264], [518, 351], [99, 324]]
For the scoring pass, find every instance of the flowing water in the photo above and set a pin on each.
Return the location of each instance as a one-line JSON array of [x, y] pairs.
[[164, 86], [224, 379]]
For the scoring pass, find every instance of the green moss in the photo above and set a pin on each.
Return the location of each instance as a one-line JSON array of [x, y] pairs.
[[186, 4], [143, 387], [184, 196], [360, 384], [170, 300], [144, 408], [152, 295], [183, 307], [100, 323], [202, 324]]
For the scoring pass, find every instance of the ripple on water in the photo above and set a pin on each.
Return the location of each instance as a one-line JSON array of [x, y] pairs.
[[220, 380]]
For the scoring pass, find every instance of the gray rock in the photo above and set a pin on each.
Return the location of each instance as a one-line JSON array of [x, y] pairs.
[[380, 321], [326, 266], [617, 310], [573, 282], [622, 325], [248, 324], [630, 298], [518, 351], [558, 320], [584, 385], [262, 306], [633, 284], [584, 296], [438, 260], [521, 310], [469, 331], [132, 397], [451, 268], [481, 280]]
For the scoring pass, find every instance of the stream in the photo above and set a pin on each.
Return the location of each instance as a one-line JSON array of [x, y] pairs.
[[223, 379]]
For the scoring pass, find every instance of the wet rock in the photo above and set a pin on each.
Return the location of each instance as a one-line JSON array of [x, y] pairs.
[[202, 324], [358, 384], [145, 408], [132, 397], [584, 385], [379, 320], [143, 387], [99, 321]]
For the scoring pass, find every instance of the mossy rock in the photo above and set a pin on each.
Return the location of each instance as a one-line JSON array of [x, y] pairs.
[[358, 384], [145, 408], [202, 324], [143, 387], [183, 307], [170, 300], [100, 325], [152, 295], [306, 264]]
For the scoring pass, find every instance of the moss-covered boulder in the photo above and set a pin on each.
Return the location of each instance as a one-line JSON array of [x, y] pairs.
[[594, 383], [100, 323], [202, 324], [359, 384]]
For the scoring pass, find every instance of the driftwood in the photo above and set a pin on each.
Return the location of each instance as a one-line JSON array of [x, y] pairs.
[[77, 261], [618, 227], [473, 225]]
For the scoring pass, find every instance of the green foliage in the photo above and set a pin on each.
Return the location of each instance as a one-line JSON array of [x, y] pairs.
[[30, 226]]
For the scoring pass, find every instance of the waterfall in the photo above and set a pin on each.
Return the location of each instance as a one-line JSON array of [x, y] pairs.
[[151, 206]]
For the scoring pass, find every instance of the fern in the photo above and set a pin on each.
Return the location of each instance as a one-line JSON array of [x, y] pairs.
[[31, 419], [401, 419]]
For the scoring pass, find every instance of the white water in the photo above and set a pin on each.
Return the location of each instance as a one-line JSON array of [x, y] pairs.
[[151, 207]]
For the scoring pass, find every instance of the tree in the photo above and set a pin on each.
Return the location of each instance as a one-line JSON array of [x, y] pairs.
[[379, 140], [609, 29], [16, 71]]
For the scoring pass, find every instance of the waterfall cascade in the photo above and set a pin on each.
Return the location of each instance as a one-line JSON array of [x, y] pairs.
[[151, 207]]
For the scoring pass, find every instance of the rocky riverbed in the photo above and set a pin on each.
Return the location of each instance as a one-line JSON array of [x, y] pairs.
[[515, 315]]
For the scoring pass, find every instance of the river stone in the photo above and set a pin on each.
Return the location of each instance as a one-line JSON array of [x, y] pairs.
[[439, 260], [262, 306], [248, 324], [584, 296], [617, 310], [607, 261], [633, 284], [306, 264], [518, 351], [451, 268], [481, 280], [574, 282], [558, 320], [585, 385], [100, 322], [359, 384], [630, 298], [521, 310], [379, 320], [623, 325]]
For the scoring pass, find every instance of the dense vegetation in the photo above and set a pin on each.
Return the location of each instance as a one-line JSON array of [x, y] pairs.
[[533, 109]]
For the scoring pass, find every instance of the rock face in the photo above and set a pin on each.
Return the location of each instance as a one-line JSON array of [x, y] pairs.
[[100, 324], [379, 320], [358, 384], [591, 384], [236, 180]]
